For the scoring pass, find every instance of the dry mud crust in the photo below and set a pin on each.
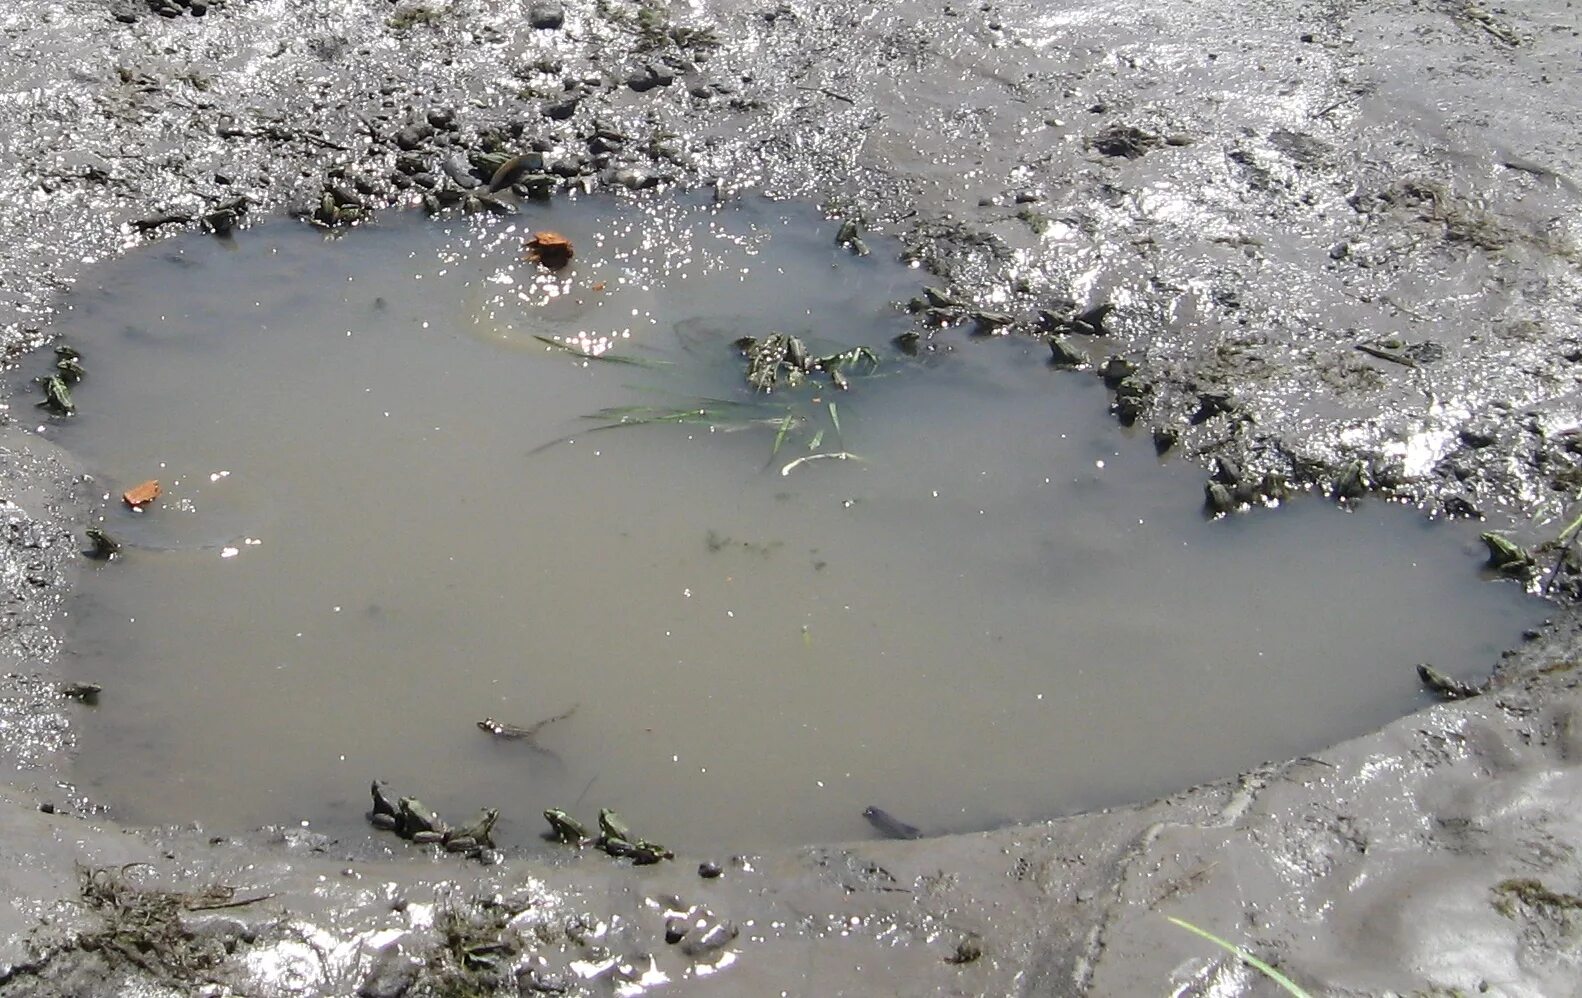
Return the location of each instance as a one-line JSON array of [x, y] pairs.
[[1259, 188]]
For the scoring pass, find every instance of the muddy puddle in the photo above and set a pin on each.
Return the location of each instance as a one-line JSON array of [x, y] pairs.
[[386, 517]]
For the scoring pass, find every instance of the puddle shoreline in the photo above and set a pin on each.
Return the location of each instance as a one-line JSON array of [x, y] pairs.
[[1001, 611]]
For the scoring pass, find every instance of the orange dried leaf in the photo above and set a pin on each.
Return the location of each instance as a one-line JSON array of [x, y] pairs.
[[141, 495]]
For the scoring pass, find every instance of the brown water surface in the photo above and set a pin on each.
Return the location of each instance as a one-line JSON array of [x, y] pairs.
[[1006, 609]]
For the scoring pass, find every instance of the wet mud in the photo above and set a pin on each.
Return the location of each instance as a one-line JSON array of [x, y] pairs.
[[1338, 249]]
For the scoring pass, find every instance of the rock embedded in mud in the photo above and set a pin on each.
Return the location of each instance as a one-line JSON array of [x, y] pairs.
[[1124, 141], [1211, 404], [413, 136], [650, 76], [1063, 354], [546, 15]]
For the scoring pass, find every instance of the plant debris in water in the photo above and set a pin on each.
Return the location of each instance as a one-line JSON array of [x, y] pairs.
[[779, 360]]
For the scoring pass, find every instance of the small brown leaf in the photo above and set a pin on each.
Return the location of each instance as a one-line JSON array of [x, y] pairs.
[[141, 495]]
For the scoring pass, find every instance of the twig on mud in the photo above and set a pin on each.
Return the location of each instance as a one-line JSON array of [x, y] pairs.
[[827, 93], [215, 905], [1383, 354], [1177, 886]]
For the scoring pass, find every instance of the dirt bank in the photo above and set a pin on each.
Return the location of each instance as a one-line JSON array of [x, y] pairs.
[[1258, 188]]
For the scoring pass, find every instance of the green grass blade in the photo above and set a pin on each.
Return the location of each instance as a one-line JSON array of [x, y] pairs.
[[606, 357], [818, 438], [834, 417], [780, 437], [1571, 529], [1285, 982]]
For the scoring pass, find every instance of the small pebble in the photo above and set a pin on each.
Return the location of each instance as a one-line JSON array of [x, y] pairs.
[[709, 869]]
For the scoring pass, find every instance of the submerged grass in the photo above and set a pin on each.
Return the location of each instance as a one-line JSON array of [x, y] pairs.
[[790, 413], [1285, 982], [608, 358]]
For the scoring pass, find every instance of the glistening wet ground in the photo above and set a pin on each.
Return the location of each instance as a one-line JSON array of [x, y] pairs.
[[375, 532]]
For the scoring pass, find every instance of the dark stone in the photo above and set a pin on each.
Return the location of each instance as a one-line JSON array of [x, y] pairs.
[[1479, 436], [984, 323], [634, 178], [650, 76], [600, 145], [561, 110], [442, 118], [391, 975], [546, 16], [1124, 141], [460, 171], [1063, 354], [708, 869], [571, 165], [413, 136], [1213, 404]]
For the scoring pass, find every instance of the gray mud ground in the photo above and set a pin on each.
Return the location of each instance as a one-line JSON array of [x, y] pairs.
[[1298, 179]]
